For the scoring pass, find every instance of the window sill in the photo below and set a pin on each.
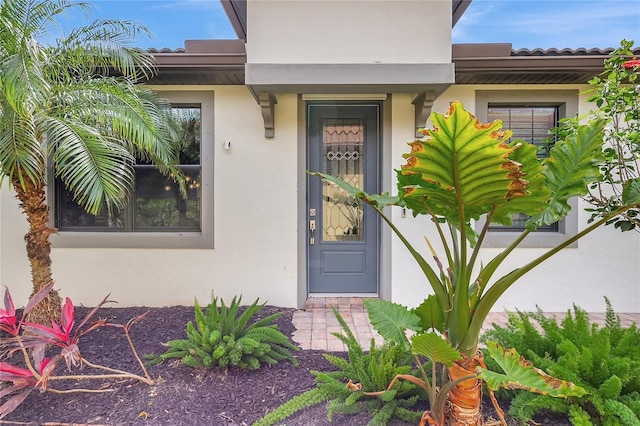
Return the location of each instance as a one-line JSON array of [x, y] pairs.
[[168, 240], [567, 228]]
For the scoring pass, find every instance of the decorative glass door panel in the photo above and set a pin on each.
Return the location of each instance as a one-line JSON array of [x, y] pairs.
[[342, 249], [343, 152]]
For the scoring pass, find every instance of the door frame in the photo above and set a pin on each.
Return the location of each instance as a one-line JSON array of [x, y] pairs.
[[384, 243]]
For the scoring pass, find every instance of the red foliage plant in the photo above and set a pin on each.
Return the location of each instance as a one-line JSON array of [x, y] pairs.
[[32, 341]]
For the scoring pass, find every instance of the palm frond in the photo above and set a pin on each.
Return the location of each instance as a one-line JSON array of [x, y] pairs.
[[108, 44], [21, 153], [94, 168]]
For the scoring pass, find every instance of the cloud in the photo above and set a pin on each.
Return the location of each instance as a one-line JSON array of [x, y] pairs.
[[548, 24]]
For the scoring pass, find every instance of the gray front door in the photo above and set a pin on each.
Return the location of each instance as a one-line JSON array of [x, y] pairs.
[[342, 241]]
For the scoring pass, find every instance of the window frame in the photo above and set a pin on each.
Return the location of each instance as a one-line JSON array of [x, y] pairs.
[[567, 103], [158, 239]]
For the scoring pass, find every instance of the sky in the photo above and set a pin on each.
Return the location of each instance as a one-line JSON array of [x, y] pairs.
[[524, 23]]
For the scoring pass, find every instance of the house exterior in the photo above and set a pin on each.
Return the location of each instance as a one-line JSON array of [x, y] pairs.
[[339, 87]]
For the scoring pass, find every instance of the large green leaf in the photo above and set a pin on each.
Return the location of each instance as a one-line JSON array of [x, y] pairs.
[[376, 200], [537, 192], [392, 320], [521, 374], [462, 170], [431, 314], [572, 164], [631, 192], [434, 347]]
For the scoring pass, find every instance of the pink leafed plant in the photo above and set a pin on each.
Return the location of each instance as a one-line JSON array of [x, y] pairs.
[[32, 341]]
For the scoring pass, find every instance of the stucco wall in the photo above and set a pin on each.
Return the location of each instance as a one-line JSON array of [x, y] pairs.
[[605, 263], [313, 31], [256, 236]]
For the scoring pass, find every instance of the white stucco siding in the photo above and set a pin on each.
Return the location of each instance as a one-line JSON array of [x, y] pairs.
[[14, 266], [256, 230], [605, 263], [254, 227], [352, 31]]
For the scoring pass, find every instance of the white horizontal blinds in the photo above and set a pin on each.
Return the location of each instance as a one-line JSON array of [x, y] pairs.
[[531, 124], [343, 156]]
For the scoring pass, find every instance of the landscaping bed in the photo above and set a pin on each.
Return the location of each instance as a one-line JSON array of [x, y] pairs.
[[182, 395]]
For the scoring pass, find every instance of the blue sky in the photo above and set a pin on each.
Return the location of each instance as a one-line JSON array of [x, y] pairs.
[[524, 23]]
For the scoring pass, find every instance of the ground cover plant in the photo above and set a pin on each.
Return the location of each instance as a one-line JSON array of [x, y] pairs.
[[225, 337], [352, 387], [27, 345], [605, 361]]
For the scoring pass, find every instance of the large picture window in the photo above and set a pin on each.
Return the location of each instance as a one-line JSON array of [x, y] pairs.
[[156, 215], [156, 203]]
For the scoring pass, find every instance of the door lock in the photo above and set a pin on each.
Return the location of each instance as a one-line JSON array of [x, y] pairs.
[[312, 232]]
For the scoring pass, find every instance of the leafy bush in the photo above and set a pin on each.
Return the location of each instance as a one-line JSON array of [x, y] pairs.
[[223, 337], [352, 388], [603, 360]]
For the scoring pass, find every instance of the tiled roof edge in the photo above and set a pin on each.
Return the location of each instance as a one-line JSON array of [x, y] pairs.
[[166, 50], [566, 52], [514, 52]]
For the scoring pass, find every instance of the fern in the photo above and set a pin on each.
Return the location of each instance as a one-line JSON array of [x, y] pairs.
[[372, 371], [222, 337], [603, 360]]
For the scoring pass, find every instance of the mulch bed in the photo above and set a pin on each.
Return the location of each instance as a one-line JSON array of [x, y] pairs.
[[182, 395]]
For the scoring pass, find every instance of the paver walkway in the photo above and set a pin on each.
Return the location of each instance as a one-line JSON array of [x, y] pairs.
[[316, 323]]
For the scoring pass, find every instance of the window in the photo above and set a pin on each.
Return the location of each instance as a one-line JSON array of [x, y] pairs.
[[531, 124], [530, 115], [157, 215]]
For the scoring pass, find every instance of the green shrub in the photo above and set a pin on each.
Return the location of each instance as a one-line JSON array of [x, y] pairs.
[[603, 360], [346, 388], [223, 338]]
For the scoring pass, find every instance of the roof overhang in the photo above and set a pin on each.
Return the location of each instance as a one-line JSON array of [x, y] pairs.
[[348, 78], [499, 64], [214, 62], [236, 11], [427, 80]]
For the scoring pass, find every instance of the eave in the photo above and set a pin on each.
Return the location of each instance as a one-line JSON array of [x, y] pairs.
[[211, 62], [499, 64]]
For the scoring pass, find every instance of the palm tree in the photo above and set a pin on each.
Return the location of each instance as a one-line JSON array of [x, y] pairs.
[[73, 104]]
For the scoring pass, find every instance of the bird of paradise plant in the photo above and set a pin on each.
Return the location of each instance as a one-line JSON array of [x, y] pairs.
[[462, 170]]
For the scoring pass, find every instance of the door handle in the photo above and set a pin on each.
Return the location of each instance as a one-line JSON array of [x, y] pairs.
[[312, 232]]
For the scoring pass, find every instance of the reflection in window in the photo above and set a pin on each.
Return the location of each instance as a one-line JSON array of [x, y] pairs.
[[156, 203], [531, 124]]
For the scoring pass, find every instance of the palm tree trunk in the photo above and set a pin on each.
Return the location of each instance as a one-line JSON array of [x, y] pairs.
[[34, 204], [465, 399]]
